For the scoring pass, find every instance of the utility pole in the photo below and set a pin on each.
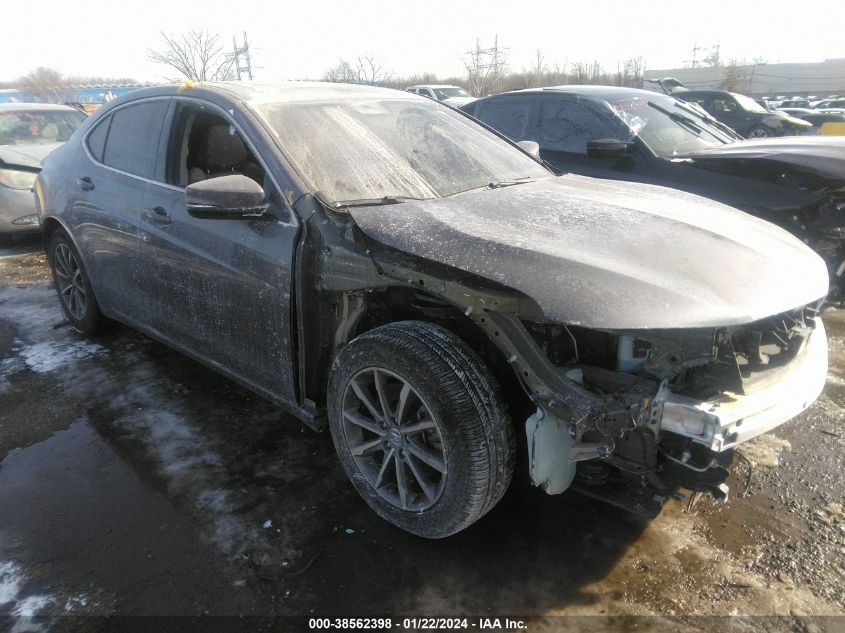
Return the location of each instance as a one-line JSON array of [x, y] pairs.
[[694, 61], [485, 67], [243, 60]]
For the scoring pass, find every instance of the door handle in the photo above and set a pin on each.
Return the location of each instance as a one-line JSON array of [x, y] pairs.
[[85, 183], [158, 215]]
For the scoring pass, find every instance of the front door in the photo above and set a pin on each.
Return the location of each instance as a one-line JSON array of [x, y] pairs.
[[220, 288]]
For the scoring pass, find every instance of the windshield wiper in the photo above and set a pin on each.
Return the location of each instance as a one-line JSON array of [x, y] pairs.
[[688, 123], [496, 184], [705, 116], [375, 202]]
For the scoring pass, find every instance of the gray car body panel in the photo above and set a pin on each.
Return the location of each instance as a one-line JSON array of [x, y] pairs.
[[823, 156], [611, 255]]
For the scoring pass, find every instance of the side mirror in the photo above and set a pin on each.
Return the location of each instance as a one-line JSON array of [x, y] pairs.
[[610, 148], [532, 147], [225, 197]]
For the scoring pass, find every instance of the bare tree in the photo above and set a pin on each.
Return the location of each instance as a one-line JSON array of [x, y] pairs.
[[538, 71], [371, 70], [734, 76], [44, 84], [343, 73], [629, 72], [196, 55]]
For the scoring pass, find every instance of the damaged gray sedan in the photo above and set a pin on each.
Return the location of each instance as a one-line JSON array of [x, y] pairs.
[[378, 263]]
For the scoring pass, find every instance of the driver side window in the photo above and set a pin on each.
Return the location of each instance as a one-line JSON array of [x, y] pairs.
[[724, 105], [203, 145], [567, 126]]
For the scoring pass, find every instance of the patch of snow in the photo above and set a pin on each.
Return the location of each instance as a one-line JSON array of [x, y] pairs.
[[11, 580], [51, 355], [32, 606], [267, 524]]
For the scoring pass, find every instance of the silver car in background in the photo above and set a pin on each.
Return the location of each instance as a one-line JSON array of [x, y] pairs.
[[28, 132]]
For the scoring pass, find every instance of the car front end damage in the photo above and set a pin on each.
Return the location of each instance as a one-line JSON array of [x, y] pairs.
[[822, 226], [669, 410], [645, 364], [630, 417]]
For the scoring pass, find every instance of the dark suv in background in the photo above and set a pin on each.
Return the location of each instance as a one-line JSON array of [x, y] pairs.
[[643, 136], [744, 115]]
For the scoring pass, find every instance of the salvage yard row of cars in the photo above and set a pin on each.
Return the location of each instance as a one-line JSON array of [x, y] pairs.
[[439, 287]]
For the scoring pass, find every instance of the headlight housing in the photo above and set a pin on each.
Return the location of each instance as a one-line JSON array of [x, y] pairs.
[[15, 179]]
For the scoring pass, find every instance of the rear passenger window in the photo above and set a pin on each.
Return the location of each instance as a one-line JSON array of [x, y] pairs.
[[132, 142], [508, 115], [97, 138]]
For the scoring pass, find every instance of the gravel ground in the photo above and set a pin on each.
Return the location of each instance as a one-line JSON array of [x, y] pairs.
[[136, 482]]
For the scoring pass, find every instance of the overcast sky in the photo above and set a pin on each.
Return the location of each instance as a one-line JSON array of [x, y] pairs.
[[296, 40]]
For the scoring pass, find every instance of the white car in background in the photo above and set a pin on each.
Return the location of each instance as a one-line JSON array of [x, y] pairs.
[[454, 96], [28, 132]]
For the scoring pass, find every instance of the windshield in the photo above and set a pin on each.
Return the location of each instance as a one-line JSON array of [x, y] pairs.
[[32, 127], [748, 103], [667, 127], [448, 93], [367, 148]]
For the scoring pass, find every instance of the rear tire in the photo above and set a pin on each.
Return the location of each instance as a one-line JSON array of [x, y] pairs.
[[384, 387], [70, 278]]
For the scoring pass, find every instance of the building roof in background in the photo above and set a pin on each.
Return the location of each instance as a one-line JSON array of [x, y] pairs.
[[818, 78]]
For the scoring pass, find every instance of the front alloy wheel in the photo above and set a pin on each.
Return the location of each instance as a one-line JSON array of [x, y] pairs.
[[420, 428], [394, 439]]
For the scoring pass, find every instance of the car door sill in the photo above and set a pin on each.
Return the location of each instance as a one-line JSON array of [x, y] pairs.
[[313, 419]]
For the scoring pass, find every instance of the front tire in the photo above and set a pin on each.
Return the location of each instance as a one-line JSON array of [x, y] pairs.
[[760, 131], [420, 427], [73, 286]]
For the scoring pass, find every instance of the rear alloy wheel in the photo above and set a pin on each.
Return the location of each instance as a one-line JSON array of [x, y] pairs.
[[760, 131], [420, 427], [72, 285]]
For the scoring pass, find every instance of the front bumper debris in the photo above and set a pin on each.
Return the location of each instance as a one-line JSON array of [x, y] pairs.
[[731, 419]]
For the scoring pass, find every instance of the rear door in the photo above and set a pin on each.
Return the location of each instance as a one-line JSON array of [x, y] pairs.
[[219, 288], [108, 184]]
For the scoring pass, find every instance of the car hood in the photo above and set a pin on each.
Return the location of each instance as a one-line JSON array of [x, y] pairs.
[[26, 155], [611, 255], [457, 102], [823, 156]]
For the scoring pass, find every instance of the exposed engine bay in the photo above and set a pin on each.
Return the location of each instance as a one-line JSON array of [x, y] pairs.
[[656, 431]]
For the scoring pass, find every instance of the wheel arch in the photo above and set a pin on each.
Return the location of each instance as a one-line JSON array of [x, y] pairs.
[[350, 314]]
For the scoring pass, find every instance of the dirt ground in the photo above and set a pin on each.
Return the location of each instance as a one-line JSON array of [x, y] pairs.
[[136, 482]]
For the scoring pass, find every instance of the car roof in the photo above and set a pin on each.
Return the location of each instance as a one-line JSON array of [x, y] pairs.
[[608, 93], [433, 86], [32, 107], [279, 92]]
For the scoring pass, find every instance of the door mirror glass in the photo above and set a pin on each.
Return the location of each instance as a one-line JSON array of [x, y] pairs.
[[225, 197], [532, 147], [610, 148]]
